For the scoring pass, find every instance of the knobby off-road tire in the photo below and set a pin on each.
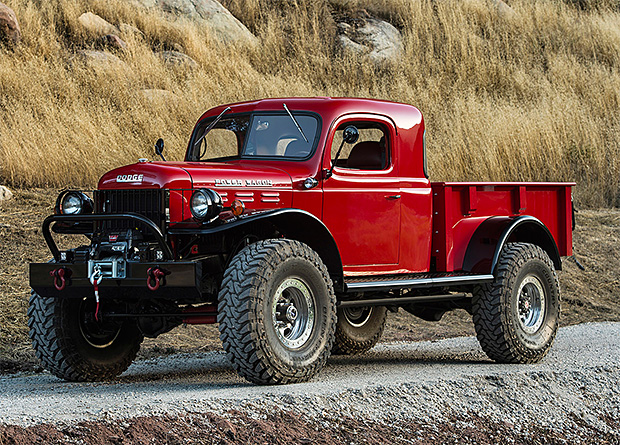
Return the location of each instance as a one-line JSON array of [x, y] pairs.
[[516, 317], [358, 329], [277, 312], [73, 346]]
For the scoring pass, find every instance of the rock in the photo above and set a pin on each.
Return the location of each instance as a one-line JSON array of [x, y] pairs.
[[99, 59], [9, 27], [5, 193], [377, 39], [503, 10], [210, 13], [112, 41], [157, 95], [129, 30], [176, 58], [96, 25]]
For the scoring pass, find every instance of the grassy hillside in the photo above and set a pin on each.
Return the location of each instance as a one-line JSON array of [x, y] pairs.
[[535, 96]]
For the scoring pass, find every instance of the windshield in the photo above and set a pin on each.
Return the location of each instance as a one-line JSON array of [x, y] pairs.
[[266, 135]]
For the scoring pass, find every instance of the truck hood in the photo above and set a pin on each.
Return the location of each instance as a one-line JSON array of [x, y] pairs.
[[257, 186], [147, 175], [216, 175]]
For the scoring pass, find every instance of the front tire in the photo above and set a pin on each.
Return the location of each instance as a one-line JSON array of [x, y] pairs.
[[72, 345], [516, 317], [358, 329], [277, 312]]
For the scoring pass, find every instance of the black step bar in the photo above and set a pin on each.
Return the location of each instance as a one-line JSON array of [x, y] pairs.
[[399, 301]]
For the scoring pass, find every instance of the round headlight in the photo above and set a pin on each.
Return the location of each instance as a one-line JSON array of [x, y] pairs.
[[73, 203], [206, 204]]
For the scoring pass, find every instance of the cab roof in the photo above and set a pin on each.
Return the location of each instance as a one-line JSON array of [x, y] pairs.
[[404, 116]]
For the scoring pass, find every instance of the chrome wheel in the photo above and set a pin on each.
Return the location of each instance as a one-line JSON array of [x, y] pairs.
[[293, 313], [357, 316], [531, 304]]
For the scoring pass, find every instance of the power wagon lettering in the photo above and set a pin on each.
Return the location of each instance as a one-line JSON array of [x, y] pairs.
[[246, 183], [292, 275]]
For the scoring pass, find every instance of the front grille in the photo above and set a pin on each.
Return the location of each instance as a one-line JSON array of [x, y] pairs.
[[149, 203]]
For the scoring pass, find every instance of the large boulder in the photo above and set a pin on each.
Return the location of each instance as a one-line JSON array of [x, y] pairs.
[[177, 59], [96, 25], [5, 193], [99, 60], [377, 39], [10, 32], [210, 13]]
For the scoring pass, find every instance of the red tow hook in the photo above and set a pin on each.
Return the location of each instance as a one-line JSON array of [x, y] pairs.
[[61, 275], [154, 277]]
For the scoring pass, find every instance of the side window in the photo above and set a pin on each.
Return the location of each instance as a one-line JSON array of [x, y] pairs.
[[370, 152]]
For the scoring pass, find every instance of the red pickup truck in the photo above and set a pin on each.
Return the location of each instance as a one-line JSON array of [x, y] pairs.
[[296, 224]]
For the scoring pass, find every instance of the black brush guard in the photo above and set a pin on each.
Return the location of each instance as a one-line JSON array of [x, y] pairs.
[[182, 279]]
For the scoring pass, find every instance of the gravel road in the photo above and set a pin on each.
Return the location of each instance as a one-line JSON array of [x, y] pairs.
[[576, 384]]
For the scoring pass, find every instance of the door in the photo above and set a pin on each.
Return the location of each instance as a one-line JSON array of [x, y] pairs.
[[361, 198]]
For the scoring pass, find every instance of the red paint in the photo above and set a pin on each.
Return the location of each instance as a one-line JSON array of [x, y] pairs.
[[376, 233]]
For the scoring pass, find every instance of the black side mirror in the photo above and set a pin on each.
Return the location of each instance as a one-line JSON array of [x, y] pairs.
[[350, 134], [159, 148]]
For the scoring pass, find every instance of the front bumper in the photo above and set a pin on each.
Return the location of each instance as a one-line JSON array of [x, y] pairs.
[[182, 281]]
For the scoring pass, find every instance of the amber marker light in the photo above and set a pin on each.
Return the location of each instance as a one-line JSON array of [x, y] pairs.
[[237, 207]]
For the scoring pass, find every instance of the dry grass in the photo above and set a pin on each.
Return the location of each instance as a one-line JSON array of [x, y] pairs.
[[533, 97]]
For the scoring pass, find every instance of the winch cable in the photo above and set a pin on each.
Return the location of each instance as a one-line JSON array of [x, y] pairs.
[[95, 280]]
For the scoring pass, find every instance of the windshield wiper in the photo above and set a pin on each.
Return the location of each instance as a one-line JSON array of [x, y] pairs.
[[295, 122], [211, 125]]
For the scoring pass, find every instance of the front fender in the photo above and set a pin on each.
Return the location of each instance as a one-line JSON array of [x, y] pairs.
[[487, 242], [291, 223]]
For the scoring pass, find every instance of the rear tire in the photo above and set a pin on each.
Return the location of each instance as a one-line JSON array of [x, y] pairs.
[[358, 329], [516, 317], [277, 312], [72, 345]]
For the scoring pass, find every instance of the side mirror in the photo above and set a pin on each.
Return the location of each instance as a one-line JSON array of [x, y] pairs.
[[350, 134], [159, 148]]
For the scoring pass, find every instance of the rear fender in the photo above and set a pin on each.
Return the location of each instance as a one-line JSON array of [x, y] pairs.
[[491, 236]]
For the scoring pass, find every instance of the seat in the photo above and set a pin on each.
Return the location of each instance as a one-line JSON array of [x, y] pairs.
[[367, 155], [297, 149]]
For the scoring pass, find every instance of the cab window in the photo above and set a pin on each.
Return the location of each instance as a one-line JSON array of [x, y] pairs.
[[370, 152]]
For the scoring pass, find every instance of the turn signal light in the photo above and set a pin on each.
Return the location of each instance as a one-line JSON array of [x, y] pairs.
[[237, 207]]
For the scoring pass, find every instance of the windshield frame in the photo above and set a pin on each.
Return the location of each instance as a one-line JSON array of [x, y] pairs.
[[251, 115]]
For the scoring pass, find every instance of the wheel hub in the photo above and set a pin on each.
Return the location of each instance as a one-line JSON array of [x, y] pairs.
[[97, 334], [293, 313], [531, 304], [357, 316]]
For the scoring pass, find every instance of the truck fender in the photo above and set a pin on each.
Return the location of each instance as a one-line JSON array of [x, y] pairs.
[[293, 224], [487, 242]]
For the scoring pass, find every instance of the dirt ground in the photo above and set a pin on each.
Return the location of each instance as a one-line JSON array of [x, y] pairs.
[[590, 295], [288, 427]]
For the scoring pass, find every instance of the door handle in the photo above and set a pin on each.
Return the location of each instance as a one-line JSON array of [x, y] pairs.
[[393, 197]]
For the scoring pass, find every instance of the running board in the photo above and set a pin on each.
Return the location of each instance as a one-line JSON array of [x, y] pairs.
[[417, 283], [399, 301]]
